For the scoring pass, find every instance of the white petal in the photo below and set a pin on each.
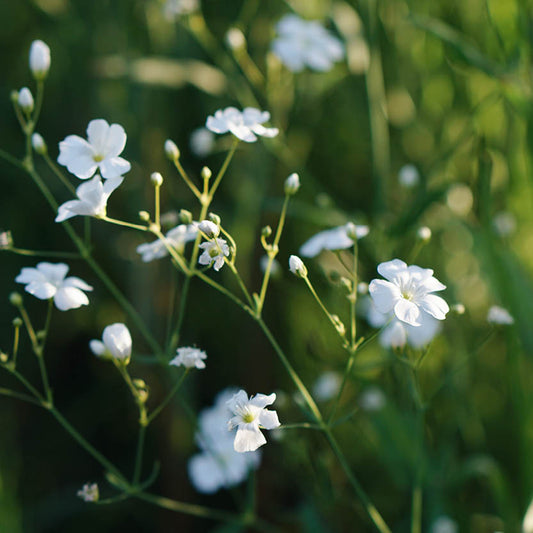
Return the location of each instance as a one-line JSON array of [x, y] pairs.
[[114, 167], [117, 340], [237, 399], [407, 312], [262, 400], [435, 306], [74, 281], [116, 140], [217, 125], [78, 156], [111, 184], [390, 269], [97, 132], [264, 132], [420, 336], [43, 291], [70, 298], [432, 284], [205, 473], [28, 274], [384, 294], [394, 335], [97, 347], [54, 272], [242, 132], [248, 440], [268, 419]]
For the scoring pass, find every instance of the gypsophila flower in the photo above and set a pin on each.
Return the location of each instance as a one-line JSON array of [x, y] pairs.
[[175, 8], [209, 228], [301, 43], [89, 493], [25, 100], [407, 292], [189, 358], [202, 142], [176, 237], [245, 125], [499, 316], [249, 416], [92, 199], [48, 281], [116, 343], [327, 386], [39, 59], [333, 239], [297, 267], [444, 524], [101, 151], [214, 253], [372, 399], [292, 184], [408, 176], [38, 144], [218, 465]]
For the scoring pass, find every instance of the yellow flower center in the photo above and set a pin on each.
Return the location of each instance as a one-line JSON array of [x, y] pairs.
[[248, 417], [97, 158]]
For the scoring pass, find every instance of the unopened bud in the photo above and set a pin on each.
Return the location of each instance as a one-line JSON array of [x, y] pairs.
[[142, 390], [3, 357], [346, 284], [171, 150], [292, 184], [185, 217], [339, 326], [156, 179], [6, 240], [458, 309], [206, 173], [15, 299], [17, 322], [424, 234], [356, 232], [266, 232], [209, 228], [39, 59], [235, 39], [362, 288], [297, 267], [14, 97], [213, 217], [144, 216], [38, 144], [25, 100]]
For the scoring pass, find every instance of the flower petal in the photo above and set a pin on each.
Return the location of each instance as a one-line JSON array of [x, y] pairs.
[[390, 269], [97, 133], [435, 306], [78, 156], [262, 400], [407, 312], [116, 140], [114, 167], [248, 440], [268, 419], [384, 294], [41, 290], [394, 335], [73, 281], [70, 298]]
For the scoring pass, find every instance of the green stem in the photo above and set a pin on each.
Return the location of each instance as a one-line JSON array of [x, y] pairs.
[[123, 223], [139, 455], [223, 169], [168, 398], [44, 253], [55, 169], [303, 425], [187, 180], [241, 283], [19, 396], [29, 328]]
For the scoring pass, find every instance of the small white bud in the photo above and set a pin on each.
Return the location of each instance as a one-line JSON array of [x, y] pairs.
[[6, 240], [356, 232], [362, 288], [25, 100], [206, 173], [38, 144], [185, 217], [458, 309], [171, 150], [499, 316], [408, 176], [144, 216], [156, 179], [297, 267], [292, 184], [424, 234], [209, 228], [235, 38], [39, 59]]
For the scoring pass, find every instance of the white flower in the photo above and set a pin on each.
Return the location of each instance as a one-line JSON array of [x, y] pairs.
[[92, 199], [407, 292], [327, 386], [333, 239], [302, 43], [245, 125], [424, 233], [249, 416], [209, 228], [444, 524], [292, 184], [372, 399], [297, 267], [174, 8], [189, 358], [408, 176], [48, 281], [105, 144], [500, 316], [219, 465], [213, 253], [202, 142], [89, 492], [116, 343], [39, 59], [527, 523], [176, 237], [25, 100], [504, 223]]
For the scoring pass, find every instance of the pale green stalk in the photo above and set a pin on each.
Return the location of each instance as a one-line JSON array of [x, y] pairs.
[[54, 168], [155, 413]]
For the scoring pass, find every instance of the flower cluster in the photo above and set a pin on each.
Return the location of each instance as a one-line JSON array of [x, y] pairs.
[[189, 358], [246, 125]]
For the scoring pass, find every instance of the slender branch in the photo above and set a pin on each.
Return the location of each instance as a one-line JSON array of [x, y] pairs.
[[155, 413]]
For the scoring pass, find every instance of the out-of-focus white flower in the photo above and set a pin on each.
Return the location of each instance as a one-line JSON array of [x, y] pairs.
[[245, 125], [275, 269], [458, 309], [292, 184], [301, 43], [500, 316], [189, 358], [219, 465], [25, 100], [176, 237], [527, 524], [48, 281], [92, 199], [297, 267], [250, 415], [408, 176], [214, 253], [504, 223], [333, 239], [444, 524], [116, 343], [424, 234], [89, 492], [235, 38], [38, 144], [372, 399], [202, 142], [171, 150], [175, 8], [407, 292], [327, 386], [6, 240], [101, 151], [39, 59], [362, 288], [209, 228]]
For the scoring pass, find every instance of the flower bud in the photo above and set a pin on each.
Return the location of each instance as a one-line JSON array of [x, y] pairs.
[[4, 358], [408, 176], [144, 216], [292, 184], [14, 97], [213, 217], [424, 234], [339, 325], [209, 228], [15, 299], [297, 267], [355, 232], [25, 100], [362, 288], [266, 232], [156, 179], [346, 284], [171, 150], [38, 144], [17, 322], [39, 59], [206, 173], [458, 309], [6, 240], [142, 390], [235, 39], [185, 217]]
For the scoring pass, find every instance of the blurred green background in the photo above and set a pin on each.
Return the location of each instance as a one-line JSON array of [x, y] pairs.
[[443, 85]]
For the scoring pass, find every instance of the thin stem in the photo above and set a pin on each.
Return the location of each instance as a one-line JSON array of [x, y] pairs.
[[187, 180], [123, 223], [27, 384], [241, 283], [139, 455], [168, 398], [29, 328], [38, 104], [43, 253], [40, 353], [303, 425], [222, 290], [55, 169], [353, 297], [16, 340], [223, 169], [19, 396], [157, 206], [13, 160]]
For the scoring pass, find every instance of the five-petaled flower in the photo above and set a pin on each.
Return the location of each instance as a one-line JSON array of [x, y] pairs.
[[245, 125], [48, 281], [89, 493], [250, 415], [101, 151], [408, 292], [301, 43], [214, 253], [92, 199], [333, 239], [189, 358], [115, 344]]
